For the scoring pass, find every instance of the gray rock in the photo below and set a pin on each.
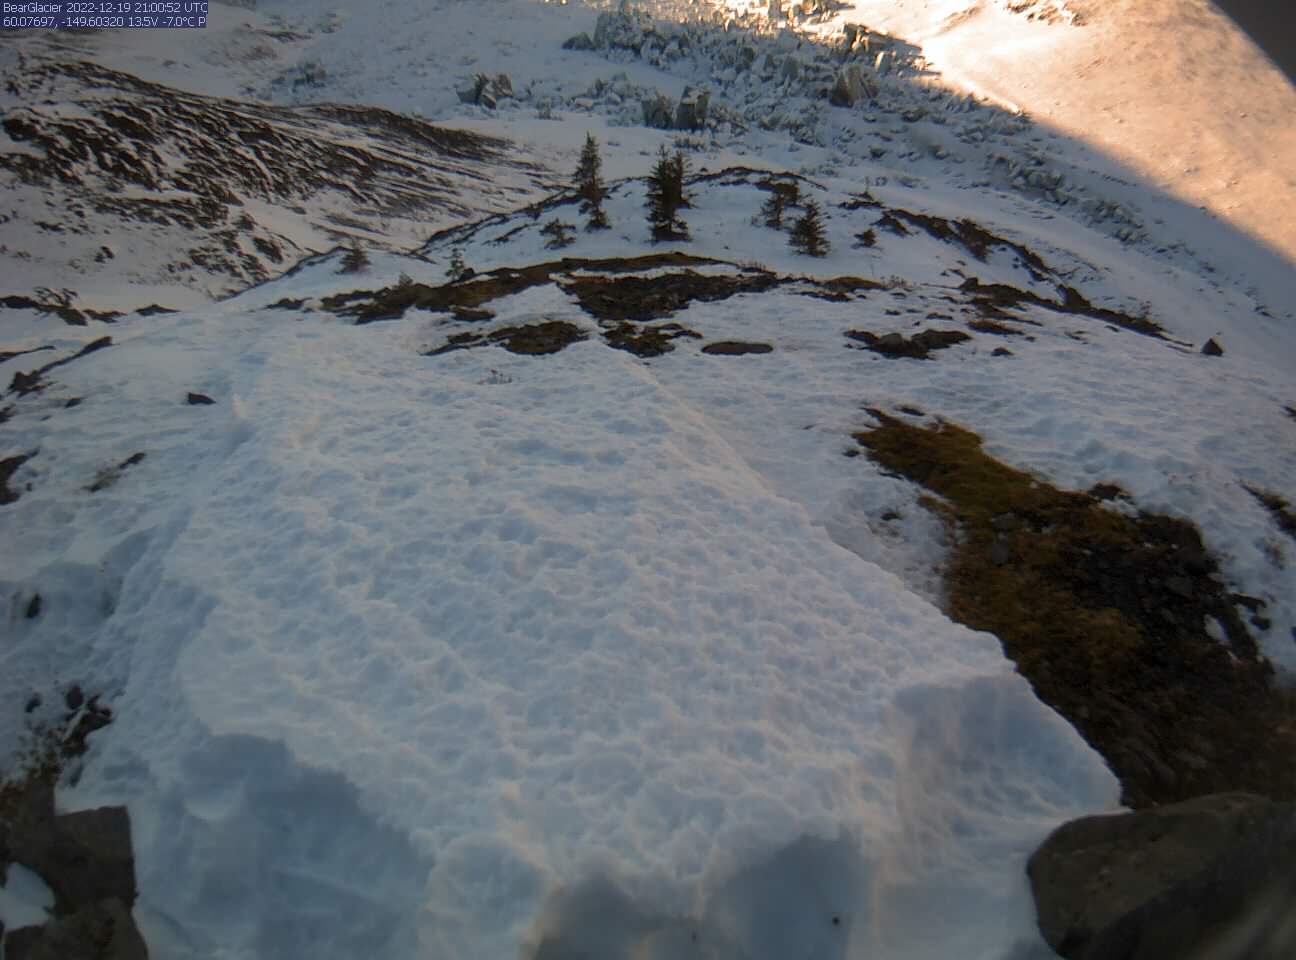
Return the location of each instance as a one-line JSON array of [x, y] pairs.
[[1092, 872], [486, 91], [84, 857], [1212, 348], [849, 88], [657, 112], [790, 70], [1240, 907], [691, 113], [98, 931], [18, 943]]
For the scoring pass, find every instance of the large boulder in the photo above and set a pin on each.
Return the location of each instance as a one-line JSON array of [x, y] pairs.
[[1155, 884], [83, 857], [486, 91], [657, 111], [98, 931], [849, 88], [691, 113]]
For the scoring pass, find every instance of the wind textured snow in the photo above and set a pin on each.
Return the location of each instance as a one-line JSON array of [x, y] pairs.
[[477, 654]]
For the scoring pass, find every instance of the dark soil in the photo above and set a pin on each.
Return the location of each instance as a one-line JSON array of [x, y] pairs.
[[919, 346], [991, 296], [529, 339], [1105, 615], [736, 348], [53, 747], [8, 467], [647, 341], [107, 476], [24, 383], [1278, 508], [973, 238], [10, 354], [995, 328]]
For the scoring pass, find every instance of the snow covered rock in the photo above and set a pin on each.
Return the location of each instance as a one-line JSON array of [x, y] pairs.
[[657, 111], [581, 41], [625, 29], [849, 88], [487, 91], [691, 113], [1165, 876]]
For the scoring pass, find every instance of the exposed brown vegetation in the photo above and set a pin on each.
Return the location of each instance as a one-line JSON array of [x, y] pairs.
[[1105, 615]]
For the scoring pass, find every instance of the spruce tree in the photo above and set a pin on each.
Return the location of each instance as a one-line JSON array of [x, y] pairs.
[[589, 184], [559, 234], [666, 196], [355, 259], [808, 233], [772, 211]]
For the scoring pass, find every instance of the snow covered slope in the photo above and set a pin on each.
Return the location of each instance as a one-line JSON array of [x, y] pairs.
[[141, 192], [472, 653]]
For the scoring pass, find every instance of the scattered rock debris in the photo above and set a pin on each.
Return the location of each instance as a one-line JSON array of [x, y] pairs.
[[1106, 615]]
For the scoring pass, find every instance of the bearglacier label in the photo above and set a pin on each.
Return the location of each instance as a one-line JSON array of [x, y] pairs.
[[91, 14]]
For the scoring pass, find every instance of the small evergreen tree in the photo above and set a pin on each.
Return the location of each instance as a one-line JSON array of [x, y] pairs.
[[457, 266], [589, 184], [559, 234], [808, 233], [666, 196], [772, 211], [355, 259], [866, 238]]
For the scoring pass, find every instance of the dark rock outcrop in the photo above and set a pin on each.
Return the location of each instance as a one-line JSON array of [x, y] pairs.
[[1213, 877], [98, 931]]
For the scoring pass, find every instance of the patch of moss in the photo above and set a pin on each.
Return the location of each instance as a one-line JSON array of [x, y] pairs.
[[532, 339], [1105, 614], [390, 303], [647, 341], [650, 298], [736, 348], [918, 347]]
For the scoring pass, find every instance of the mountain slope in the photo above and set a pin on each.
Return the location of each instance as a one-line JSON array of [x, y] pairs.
[[564, 608]]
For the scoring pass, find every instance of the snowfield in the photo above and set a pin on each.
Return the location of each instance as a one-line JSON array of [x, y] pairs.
[[483, 655]]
